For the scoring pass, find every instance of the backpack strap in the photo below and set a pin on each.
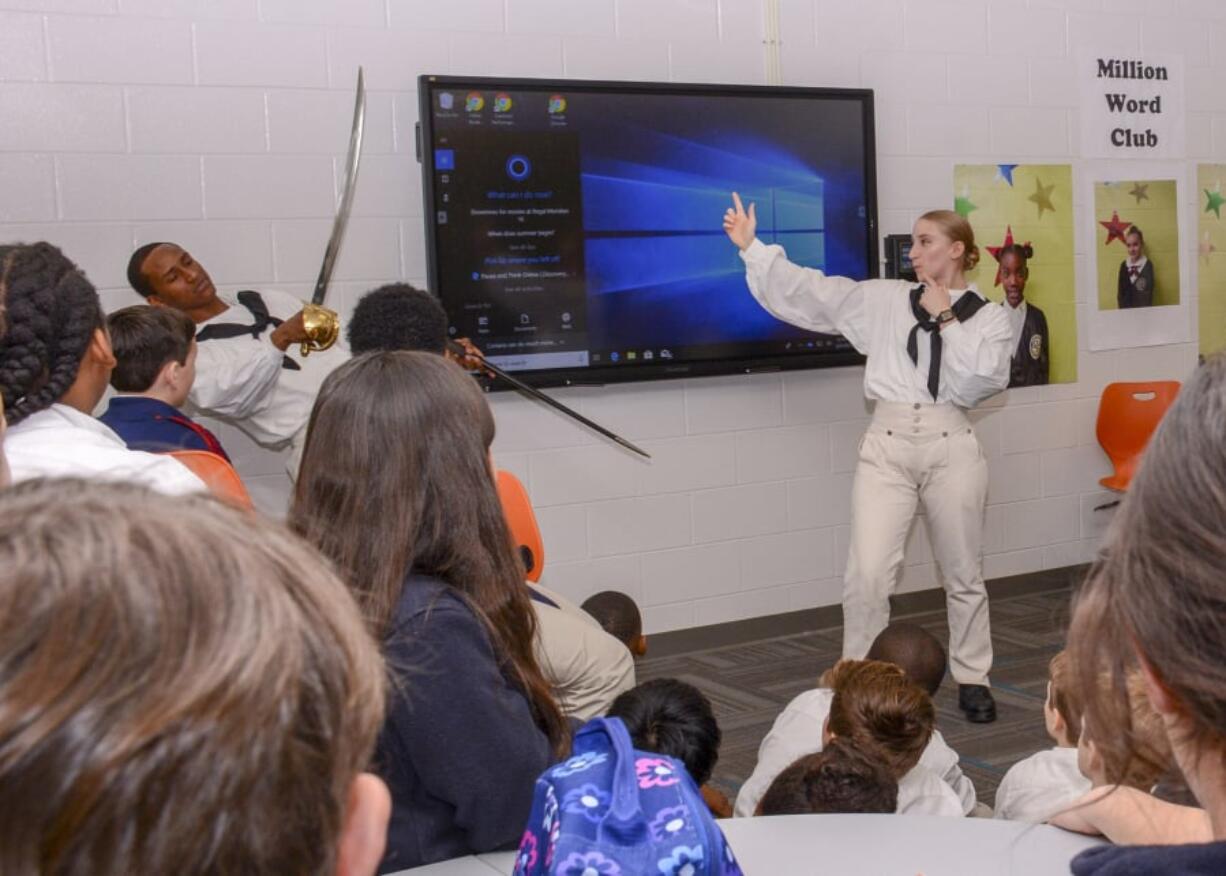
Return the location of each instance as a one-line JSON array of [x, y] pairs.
[[625, 805]]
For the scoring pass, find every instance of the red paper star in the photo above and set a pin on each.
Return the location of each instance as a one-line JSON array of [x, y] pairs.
[[995, 251], [1115, 228]]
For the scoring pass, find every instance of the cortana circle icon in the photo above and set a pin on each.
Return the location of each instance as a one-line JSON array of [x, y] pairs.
[[519, 168]]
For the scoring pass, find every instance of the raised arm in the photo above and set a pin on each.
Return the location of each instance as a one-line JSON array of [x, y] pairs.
[[801, 296]]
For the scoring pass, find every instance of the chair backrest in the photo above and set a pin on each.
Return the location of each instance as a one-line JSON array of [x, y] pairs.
[[522, 521], [1128, 414], [220, 477]]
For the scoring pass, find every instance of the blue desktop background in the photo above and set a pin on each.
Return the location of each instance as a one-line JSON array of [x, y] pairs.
[[656, 177]]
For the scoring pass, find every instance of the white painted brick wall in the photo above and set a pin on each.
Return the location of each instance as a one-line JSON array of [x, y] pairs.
[[222, 124]]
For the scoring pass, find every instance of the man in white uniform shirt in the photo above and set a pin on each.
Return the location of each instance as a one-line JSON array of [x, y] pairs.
[[249, 370], [55, 363], [934, 351]]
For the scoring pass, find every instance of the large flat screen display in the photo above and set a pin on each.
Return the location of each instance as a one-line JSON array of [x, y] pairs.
[[574, 228]]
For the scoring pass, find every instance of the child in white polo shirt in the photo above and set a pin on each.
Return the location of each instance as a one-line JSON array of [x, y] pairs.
[[798, 729], [1041, 785]]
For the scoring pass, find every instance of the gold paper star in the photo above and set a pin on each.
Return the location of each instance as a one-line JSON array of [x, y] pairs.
[[1042, 196], [1140, 191]]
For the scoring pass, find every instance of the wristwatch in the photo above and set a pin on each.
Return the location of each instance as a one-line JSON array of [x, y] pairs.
[[945, 316]]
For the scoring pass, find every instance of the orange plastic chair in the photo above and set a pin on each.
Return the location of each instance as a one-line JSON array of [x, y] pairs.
[[218, 475], [1128, 414], [522, 521]]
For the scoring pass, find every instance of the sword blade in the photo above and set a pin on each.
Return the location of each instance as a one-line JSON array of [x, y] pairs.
[[346, 199], [535, 393]]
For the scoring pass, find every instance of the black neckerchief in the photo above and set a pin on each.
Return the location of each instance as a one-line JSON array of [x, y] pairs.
[[254, 303], [964, 308]]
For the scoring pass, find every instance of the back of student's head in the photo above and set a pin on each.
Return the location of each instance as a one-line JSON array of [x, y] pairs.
[[878, 709], [1158, 591], [51, 312], [617, 614], [397, 317], [915, 650], [838, 779], [395, 477], [1138, 758], [186, 688], [1064, 695], [144, 338], [669, 716]]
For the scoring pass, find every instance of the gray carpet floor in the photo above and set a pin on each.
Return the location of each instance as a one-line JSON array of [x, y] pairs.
[[749, 684]]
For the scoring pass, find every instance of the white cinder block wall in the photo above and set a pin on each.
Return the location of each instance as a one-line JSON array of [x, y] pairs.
[[222, 124]]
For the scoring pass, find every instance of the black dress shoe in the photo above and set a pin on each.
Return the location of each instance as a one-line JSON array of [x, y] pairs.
[[976, 701]]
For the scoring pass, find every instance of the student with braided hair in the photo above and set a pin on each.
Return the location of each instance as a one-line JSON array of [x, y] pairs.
[[1031, 344], [55, 362]]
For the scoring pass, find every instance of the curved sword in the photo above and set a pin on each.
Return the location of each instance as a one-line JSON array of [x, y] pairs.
[[346, 200], [535, 393]]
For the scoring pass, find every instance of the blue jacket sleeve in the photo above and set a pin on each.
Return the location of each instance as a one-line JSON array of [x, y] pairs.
[[469, 731]]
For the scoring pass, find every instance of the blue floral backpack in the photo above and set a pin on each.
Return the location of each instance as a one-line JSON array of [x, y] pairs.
[[613, 811]]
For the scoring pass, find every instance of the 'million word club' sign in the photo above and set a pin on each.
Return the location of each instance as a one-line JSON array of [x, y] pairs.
[[1132, 107]]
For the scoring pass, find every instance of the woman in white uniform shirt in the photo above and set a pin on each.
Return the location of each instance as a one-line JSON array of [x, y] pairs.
[[933, 351]]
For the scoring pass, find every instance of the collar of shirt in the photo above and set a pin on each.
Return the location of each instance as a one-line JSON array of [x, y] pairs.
[[60, 416], [141, 407], [1017, 320], [1139, 263]]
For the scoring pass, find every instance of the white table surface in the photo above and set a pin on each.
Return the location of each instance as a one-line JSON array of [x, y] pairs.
[[864, 845]]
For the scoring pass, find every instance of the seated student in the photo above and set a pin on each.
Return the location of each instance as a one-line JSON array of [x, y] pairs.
[[1046, 783], [838, 779], [585, 668], [619, 617], [1152, 605], [187, 689], [669, 716], [155, 366], [402, 317], [397, 491], [877, 708], [798, 729], [55, 363]]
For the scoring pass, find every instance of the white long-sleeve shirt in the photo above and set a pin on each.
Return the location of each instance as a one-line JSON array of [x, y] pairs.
[[62, 442], [241, 380], [876, 317], [1038, 787], [798, 731]]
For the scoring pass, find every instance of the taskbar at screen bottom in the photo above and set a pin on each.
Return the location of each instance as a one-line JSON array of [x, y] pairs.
[[638, 355], [589, 367]]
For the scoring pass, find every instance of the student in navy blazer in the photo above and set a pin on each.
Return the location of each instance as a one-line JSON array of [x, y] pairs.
[[397, 489], [155, 367]]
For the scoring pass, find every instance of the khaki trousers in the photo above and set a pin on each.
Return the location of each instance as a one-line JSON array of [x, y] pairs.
[[926, 455]]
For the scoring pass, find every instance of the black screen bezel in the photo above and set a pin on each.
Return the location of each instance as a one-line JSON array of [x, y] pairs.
[[427, 84]]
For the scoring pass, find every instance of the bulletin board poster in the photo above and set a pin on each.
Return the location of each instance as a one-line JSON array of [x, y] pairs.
[[1211, 257], [1138, 261], [1137, 243], [1028, 205]]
